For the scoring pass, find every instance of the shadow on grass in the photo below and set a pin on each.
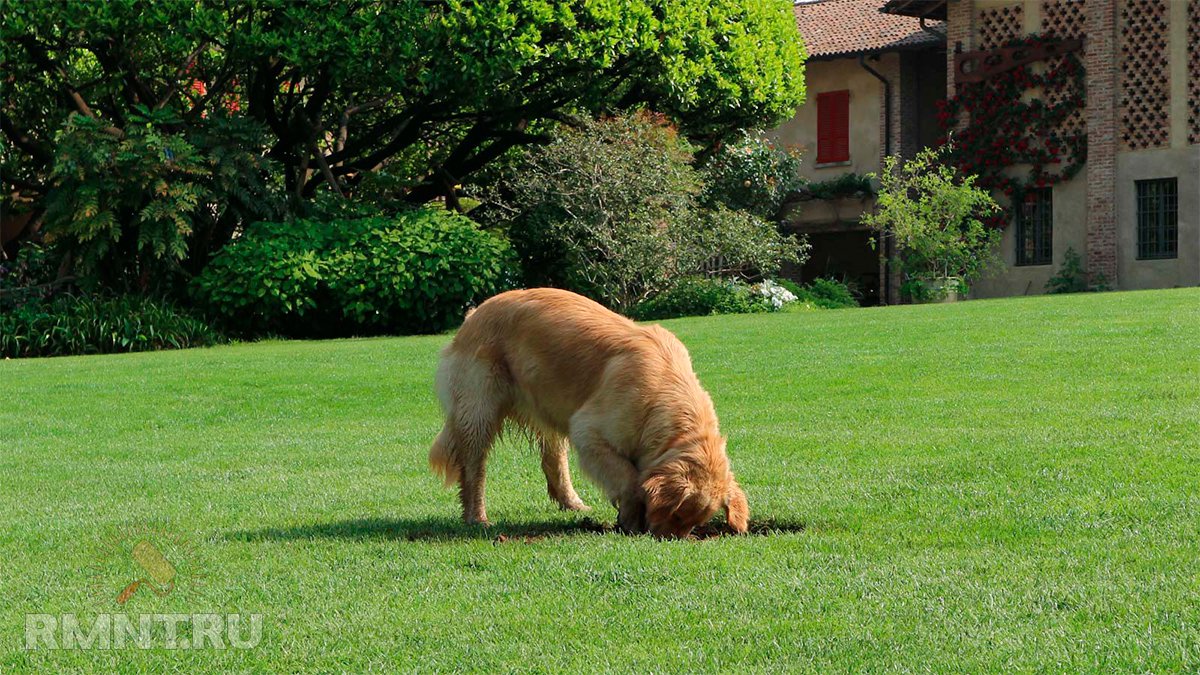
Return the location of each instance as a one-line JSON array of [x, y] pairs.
[[446, 529]]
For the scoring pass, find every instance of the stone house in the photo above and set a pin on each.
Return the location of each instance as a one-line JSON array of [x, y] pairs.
[[1132, 211], [873, 80]]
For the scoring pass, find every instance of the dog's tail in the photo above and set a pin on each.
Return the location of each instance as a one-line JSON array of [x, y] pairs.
[[442, 459]]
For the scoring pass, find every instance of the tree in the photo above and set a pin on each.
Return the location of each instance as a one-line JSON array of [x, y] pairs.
[[433, 89], [614, 210], [937, 218]]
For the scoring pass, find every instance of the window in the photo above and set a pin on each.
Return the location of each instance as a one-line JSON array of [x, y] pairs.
[[833, 127], [1035, 228], [1157, 218]]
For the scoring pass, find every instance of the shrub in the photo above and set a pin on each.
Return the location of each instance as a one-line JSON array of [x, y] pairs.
[[751, 175], [1073, 278], [773, 294], [823, 293], [845, 185], [131, 207], [828, 294], [415, 272], [704, 296], [27, 277], [613, 211], [698, 296], [937, 219], [77, 324]]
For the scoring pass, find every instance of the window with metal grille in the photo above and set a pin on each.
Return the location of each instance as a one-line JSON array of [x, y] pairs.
[[1035, 228], [833, 126], [1157, 218]]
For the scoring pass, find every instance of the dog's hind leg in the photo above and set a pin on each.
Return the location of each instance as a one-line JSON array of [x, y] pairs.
[[460, 455], [558, 473], [471, 486], [474, 400]]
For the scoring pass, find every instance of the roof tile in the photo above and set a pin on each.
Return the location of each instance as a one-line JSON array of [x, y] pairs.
[[850, 27]]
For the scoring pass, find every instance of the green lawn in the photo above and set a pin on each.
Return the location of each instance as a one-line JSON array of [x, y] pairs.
[[991, 485]]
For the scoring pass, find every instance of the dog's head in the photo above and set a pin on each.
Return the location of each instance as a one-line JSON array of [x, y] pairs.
[[689, 486]]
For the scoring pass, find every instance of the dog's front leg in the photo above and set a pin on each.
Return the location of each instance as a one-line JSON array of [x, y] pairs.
[[631, 512], [615, 474]]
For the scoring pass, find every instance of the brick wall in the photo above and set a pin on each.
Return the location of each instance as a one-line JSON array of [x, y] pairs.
[[1193, 71], [1101, 61], [907, 109], [960, 16]]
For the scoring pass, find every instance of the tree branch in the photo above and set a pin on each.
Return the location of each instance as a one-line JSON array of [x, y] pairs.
[[320, 157], [344, 126], [41, 57], [23, 141], [183, 69], [501, 143]]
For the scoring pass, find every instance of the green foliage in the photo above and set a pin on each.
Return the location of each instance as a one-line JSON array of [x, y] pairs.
[[1073, 278], [701, 296], [416, 272], [751, 175], [441, 88], [612, 209], [82, 324], [144, 181], [26, 277], [826, 294], [845, 185], [127, 205], [936, 218]]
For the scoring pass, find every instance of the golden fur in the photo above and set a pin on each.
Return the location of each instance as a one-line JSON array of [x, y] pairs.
[[564, 367]]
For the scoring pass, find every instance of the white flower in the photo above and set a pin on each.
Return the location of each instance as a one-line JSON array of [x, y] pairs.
[[777, 296]]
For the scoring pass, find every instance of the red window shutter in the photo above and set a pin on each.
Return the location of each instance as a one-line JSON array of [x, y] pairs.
[[833, 126]]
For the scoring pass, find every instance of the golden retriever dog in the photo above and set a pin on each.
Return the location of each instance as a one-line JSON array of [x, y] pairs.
[[563, 367]]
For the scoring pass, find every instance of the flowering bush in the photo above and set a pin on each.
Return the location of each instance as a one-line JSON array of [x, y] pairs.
[[1020, 117], [776, 296], [752, 175], [704, 296]]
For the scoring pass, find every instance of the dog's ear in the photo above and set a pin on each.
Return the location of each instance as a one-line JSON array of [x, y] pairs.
[[665, 490], [737, 509]]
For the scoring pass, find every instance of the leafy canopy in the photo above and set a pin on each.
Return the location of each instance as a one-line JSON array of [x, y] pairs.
[[346, 85], [319, 97]]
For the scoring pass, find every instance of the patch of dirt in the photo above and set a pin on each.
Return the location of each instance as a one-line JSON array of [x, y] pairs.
[[758, 528]]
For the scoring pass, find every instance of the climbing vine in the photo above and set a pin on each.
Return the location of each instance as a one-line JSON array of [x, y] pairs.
[[1019, 117]]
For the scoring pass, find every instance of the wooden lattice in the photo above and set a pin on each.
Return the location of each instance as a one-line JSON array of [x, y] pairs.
[[999, 25], [1193, 41], [1145, 76], [1064, 19]]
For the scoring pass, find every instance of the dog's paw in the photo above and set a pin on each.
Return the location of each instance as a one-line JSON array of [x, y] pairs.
[[631, 516], [575, 506]]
